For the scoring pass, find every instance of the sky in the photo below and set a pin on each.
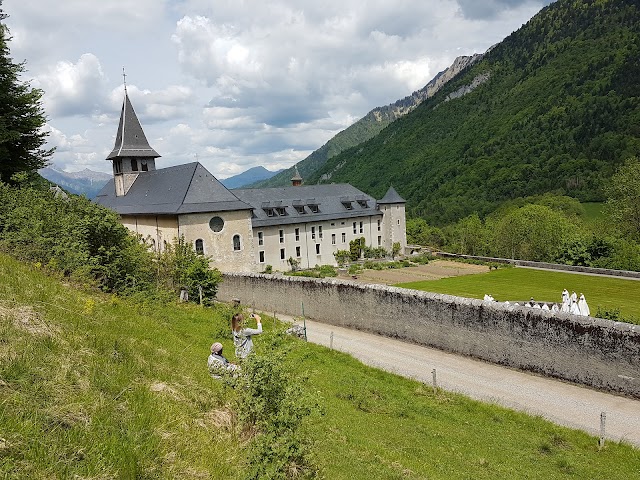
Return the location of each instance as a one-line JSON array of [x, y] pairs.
[[236, 84]]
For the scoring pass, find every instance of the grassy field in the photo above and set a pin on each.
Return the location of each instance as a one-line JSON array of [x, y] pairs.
[[518, 284], [93, 386]]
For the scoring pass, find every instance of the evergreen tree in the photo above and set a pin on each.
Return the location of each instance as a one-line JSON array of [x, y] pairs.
[[21, 116]]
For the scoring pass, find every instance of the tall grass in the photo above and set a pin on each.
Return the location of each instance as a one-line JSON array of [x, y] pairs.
[[92, 386]]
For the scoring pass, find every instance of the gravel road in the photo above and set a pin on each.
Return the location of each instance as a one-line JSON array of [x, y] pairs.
[[560, 402]]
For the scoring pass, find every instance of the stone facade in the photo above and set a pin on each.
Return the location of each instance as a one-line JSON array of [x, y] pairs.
[[599, 353]]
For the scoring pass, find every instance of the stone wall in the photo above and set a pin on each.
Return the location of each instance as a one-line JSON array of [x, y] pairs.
[[595, 352]]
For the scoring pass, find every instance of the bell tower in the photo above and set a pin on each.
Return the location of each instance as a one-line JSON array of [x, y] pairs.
[[132, 155]]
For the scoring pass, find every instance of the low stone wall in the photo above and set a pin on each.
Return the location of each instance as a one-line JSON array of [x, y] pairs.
[[550, 266], [595, 352]]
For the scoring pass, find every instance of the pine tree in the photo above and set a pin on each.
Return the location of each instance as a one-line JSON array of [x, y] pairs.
[[22, 117]]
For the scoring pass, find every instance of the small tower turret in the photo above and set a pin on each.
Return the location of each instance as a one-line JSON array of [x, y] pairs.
[[296, 180]]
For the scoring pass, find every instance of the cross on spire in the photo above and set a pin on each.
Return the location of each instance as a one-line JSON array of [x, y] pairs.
[[124, 79]]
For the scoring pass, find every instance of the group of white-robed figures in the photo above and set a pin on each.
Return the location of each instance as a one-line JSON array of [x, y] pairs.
[[570, 304]]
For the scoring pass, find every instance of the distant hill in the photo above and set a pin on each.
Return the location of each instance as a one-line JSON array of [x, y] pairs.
[[85, 182], [369, 125], [555, 107], [248, 177]]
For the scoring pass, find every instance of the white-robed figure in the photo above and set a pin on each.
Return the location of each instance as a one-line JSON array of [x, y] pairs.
[[583, 307], [574, 297], [554, 308], [566, 303], [573, 309]]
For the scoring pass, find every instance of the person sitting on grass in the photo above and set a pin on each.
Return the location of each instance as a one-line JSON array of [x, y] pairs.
[[242, 335], [217, 362]]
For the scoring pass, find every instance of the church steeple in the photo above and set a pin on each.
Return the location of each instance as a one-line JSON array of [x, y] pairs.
[[131, 153]]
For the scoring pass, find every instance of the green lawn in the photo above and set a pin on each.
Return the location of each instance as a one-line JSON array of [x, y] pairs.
[[518, 284], [93, 386]]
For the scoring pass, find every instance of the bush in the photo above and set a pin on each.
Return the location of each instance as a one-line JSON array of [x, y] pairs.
[[272, 403], [342, 257]]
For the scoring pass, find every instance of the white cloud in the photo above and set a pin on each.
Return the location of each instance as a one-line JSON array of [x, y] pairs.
[[73, 88]]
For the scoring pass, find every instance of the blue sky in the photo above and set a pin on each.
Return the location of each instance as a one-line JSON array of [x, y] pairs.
[[236, 84]]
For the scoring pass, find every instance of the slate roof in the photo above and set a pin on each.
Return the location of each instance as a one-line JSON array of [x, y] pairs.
[[186, 188], [330, 201], [130, 138], [391, 197]]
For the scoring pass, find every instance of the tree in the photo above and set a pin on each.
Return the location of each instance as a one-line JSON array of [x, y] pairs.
[[623, 197], [22, 117]]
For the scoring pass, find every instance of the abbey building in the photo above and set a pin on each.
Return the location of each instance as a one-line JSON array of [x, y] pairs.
[[241, 230]]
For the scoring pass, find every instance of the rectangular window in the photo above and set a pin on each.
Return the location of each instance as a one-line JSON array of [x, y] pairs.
[[144, 166], [344, 237], [298, 252], [300, 209], [379, 240], [361, 229], [355, 228], [317, 249], [378, 224], [281, 233], [282, 255], [313, 233], [270, 212], [117, 166], [314, 208], [261, 256], [320, 232], [260, 238], [281, 211], [134, 165], [297, 234], [333, 239], [398, 221]]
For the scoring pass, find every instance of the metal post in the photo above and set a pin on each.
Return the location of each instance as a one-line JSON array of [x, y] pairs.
[[304, 322], [331, 341], [435, 384], [603, 419]]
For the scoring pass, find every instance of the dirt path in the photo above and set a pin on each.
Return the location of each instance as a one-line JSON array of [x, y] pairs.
[[562, 403], [434, 270]]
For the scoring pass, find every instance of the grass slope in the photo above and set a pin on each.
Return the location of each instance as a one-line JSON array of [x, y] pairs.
[[518, 284], [92, 386]]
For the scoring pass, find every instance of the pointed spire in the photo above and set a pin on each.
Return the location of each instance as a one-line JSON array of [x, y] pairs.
[[130, 139], [391, 197]]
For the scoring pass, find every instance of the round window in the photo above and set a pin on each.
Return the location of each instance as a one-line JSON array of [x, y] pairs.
[[216, 224]]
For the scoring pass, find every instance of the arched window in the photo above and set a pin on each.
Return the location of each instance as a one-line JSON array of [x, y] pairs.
[[236, 242], [199, 247]]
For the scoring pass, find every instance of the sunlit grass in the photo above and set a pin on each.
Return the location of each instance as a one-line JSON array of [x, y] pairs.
[[93, 386], [520, 284]]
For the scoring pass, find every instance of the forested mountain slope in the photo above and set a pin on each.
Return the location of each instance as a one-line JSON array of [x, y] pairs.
[[369, 125], [556, 108]]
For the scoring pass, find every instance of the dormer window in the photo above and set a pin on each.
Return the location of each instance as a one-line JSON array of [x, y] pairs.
[[313, 205], [300, 209], [270, 212], [363, 203], [134, 165], [347, 205], [281, 211]]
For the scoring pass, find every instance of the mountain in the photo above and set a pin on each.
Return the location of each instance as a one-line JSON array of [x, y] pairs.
[[248, 177], [86, 182], [555, 107], [369, 125]]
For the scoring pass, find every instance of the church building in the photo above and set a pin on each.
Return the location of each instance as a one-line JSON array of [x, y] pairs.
[[241, 230]]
